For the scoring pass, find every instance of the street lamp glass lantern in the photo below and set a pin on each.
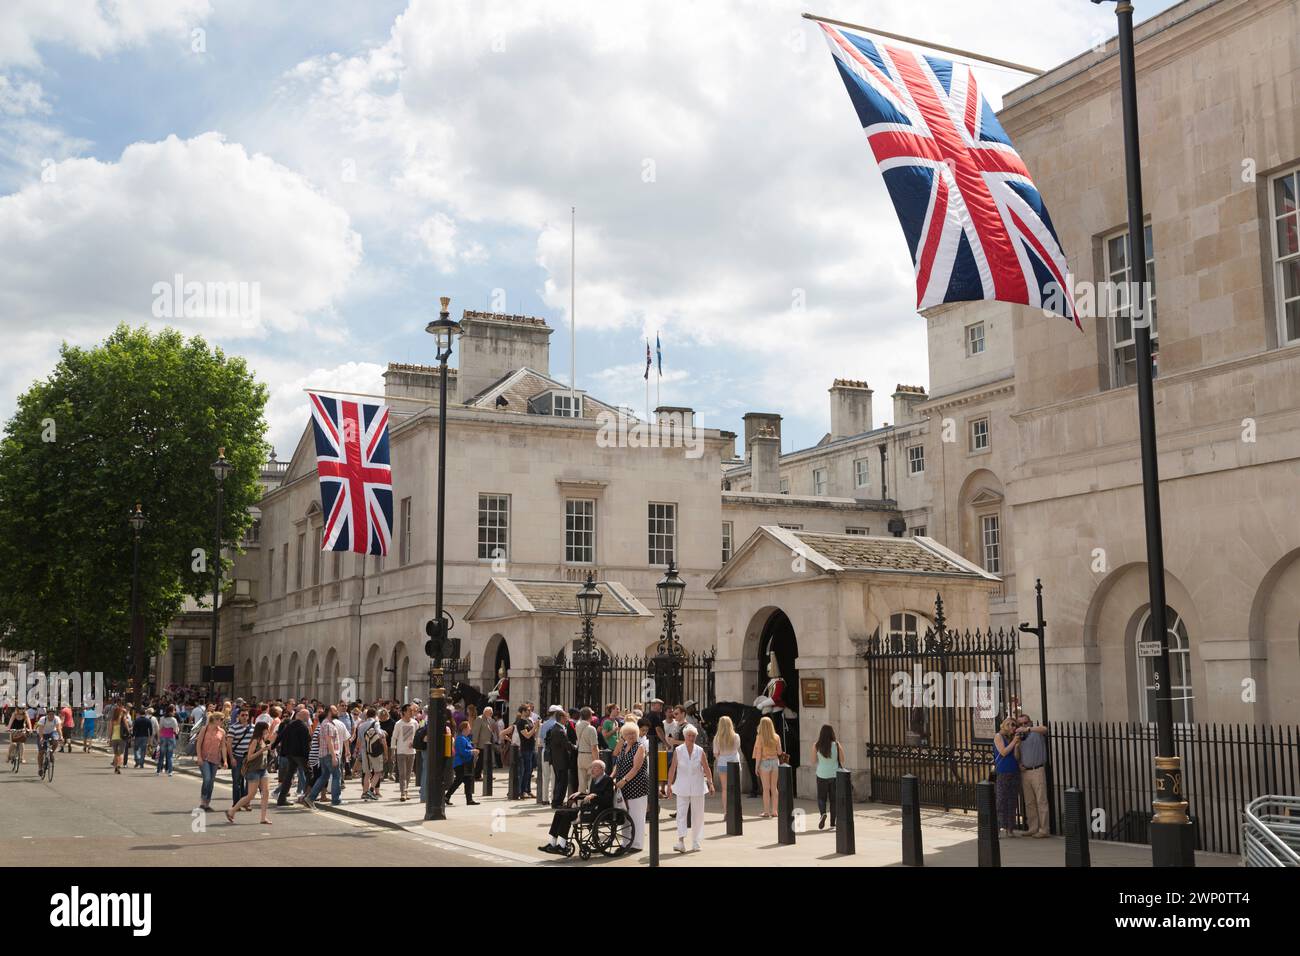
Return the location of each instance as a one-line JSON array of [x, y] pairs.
[[137, 519], [589, 599], [670, 589], [443, 329], [221, 468]]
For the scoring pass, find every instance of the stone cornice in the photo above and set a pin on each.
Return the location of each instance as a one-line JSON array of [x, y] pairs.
[[978, 393], [1162, 38]]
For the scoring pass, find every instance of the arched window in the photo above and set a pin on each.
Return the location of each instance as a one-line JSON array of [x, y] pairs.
[[1180, 669], [904, 625]]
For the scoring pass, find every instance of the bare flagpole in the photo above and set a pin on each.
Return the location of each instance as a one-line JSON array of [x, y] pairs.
[[1018, 67], [573, 314]]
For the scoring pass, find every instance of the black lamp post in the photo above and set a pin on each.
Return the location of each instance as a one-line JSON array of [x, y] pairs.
[[220, 470], [588, 607], [1172, 839], [136, 520], [669, 654], [1039, 630], [443, 330]]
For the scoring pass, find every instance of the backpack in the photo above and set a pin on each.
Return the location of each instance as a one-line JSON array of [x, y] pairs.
[[421, 742], [374, 742]]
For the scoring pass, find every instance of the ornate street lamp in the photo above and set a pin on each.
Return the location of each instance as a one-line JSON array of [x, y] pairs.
[[137, 522], [669, 655], [220, 470], [443, 330], [588, 607]]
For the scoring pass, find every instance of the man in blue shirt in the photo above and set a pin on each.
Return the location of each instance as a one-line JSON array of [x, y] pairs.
[[463, 766]]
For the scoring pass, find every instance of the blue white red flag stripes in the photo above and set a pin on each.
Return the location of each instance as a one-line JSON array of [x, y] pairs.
[[648, 363], [975, 223], [356, 477]]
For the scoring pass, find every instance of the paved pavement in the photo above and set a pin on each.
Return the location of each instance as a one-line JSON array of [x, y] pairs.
[[139, 818], [90, 816]]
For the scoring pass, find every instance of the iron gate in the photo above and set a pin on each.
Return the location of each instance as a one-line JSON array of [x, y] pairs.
[[626, 680], [934, 704]]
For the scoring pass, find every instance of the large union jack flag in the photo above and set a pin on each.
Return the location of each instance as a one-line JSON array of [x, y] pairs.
[[974, 221], [356, 479]]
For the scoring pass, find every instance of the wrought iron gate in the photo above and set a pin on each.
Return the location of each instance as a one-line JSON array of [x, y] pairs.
[[626, 680], [934, 704]]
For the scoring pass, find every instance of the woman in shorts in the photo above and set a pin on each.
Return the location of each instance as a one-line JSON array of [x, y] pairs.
[[255, 778]]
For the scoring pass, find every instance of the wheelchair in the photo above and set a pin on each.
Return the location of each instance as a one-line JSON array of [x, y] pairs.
[[608, 833]]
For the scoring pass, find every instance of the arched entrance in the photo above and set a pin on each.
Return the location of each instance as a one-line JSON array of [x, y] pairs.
[[496, 664], [777, 640]]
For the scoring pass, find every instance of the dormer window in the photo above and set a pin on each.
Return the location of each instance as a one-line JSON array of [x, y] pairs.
[[559, 402], [566, 405]]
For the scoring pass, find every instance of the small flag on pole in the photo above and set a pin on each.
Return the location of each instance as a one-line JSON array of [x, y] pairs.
[[648, 363], [975, 223], [659, 355]]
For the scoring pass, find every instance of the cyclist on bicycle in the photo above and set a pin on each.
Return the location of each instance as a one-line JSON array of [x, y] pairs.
[[49, 732], [19, 728]]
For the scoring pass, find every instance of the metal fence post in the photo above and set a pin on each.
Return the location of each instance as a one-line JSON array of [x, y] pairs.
[[913, 853], [785, 804], [986, 797], [1076, 829], [735, 826], [843, 797], [653, 805], [489, 757]]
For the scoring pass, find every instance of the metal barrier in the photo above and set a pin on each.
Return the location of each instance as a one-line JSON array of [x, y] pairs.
[[1270, 832]]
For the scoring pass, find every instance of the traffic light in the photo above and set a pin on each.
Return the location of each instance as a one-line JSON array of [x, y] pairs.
[[434, 646]]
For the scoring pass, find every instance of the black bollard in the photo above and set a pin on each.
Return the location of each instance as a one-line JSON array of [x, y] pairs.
[[1076, 829], [542, 797], [512, 763], [913, 854], [785, 804], [489, 756], [986, 802], [843, 797], [735, 826], [653, 806]]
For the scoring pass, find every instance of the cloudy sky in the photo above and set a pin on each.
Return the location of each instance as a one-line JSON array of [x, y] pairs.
[[350, 162]]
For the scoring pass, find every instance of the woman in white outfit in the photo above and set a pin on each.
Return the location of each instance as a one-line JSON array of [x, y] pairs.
[[690, 780]]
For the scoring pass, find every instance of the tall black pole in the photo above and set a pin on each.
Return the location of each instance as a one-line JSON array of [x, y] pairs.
[[137, 644], [216, 597], [434, 809], [1171, 831]]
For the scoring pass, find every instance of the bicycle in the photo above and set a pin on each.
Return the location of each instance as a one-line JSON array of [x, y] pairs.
[[47, 768], [16, 750]]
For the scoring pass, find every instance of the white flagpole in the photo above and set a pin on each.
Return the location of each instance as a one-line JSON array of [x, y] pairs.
[[573, 313]]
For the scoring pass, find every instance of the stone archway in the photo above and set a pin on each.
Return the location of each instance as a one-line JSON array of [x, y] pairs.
[[980, 513], [775, 635], [263, 678], [372, 687], [329, 689], [295, 688], [311, 677]]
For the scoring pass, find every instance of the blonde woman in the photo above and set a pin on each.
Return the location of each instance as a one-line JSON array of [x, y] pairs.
[[726, 751], [767, 753]]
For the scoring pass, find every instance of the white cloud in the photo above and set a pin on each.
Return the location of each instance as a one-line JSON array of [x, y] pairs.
[[94, 27], [713, 156], [94, 246]]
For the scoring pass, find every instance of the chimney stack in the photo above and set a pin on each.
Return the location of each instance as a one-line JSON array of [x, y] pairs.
[[768, 423], [765, 463], [906, 398], [850, 408]]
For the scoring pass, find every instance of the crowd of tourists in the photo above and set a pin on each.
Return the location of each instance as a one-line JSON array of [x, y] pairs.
[[291, 751]]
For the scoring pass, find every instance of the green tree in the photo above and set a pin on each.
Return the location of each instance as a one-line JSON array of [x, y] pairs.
[[136, 419]]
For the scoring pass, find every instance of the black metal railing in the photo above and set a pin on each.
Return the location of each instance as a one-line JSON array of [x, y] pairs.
[[626, 680], [1225, 766], [934, 701]]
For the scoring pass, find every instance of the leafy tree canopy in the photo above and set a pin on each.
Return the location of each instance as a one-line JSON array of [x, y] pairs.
[[136, 419]]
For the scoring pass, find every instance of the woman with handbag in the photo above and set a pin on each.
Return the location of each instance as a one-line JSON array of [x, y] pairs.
[[19, 727], [829, 759], [254, 771]]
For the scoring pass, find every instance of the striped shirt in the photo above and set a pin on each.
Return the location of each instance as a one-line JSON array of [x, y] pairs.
[[240, 735]]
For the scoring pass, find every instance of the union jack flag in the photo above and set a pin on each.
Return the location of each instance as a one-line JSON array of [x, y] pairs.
[[974, 221], [356, 479]]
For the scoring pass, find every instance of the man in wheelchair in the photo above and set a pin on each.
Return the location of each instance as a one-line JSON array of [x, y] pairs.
[[585, 806]]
